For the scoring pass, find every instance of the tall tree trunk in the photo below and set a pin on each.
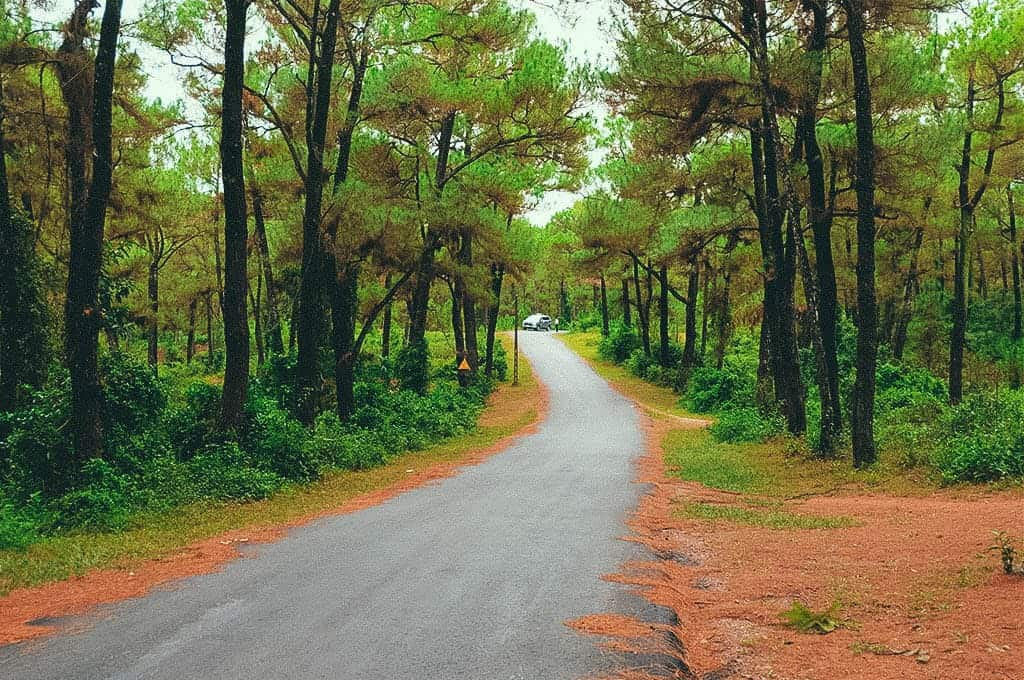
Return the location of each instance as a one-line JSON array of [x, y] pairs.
[[642, 320], [1016, 332], [910, 290], [209, 328], [663, 346], [468, 304], [256, 301], [385, 329], [236, 318], [416, 377], [457, 330], [864, 452], [275, 339], [343, 277], [779, 256], [316, 275], [626, 320], [723, 320], [497, 274], [190, 340], [153, 326], [689, 360], [705, 310], [982, 276], [818, 214], [604, 307], [88, 215]]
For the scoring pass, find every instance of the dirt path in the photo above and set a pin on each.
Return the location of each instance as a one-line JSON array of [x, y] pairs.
[[919, 595]]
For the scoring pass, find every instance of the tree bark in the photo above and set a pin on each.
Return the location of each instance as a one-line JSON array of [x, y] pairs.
[[88, 216], [689, 360], [626, 320], [642, 320], [663, 340], [820, 219], [1015, 333], [236, 318], [256, 301], [275, 339], [153, 290], [497, 274], [604, 307], [864, 452], [385, 331], [190, 341], [425, 268], [315, 276]]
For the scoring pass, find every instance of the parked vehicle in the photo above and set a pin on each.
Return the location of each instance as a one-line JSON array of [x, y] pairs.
[[537, 322]]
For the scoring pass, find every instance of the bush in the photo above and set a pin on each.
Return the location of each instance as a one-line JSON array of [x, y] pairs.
[[18, 527], [711, 389], [745, 424], [412, 367], [102, 503], [500, 360], [225, 472], [639, 362], [132, 395], [984, 439], [275, 440], [619, 343]]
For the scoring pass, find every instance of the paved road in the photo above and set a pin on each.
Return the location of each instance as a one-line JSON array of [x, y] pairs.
[[470, 578]]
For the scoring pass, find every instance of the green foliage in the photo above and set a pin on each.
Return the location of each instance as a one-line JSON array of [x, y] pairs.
[[25, 346], [1006, 548], [500, 360], [412, 367], [983, 438], [619, 343], [103, 502], [806, 620], [745, 424], [19, 527], [226, 472]]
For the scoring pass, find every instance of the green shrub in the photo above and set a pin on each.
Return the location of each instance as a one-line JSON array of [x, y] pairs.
[[712, 389], [500, 360], [412, 367], [225, 472], [102, 503], [275, 440], [745, 424], [619, 343], [639, 362], [18, 527], [132, 394], [984, 439], [194, 425]]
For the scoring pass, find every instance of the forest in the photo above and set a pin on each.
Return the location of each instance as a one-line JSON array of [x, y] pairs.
[[275, 267]]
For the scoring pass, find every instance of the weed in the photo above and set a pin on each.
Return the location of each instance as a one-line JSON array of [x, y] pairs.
[[1006, 548], [806, 620]]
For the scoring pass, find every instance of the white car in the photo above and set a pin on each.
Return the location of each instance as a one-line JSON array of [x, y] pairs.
[[537, 322]]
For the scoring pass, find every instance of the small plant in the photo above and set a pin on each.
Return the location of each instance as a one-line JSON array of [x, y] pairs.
[[1004, 545], [806, 620]]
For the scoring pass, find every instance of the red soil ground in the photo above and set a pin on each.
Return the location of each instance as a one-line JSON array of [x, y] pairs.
[[920, 595]]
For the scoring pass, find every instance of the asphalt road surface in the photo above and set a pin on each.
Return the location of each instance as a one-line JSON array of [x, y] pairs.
[[469, 578]]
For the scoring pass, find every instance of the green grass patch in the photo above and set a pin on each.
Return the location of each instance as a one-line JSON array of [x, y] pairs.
[[768, 519]]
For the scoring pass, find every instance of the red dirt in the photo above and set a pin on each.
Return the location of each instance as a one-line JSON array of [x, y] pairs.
[[922, 596], [78, 595]]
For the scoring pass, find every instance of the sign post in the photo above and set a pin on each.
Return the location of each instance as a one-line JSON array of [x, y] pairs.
[[515, 336]]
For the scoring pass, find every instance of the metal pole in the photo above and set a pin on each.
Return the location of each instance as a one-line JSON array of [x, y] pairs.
[[515, 336]]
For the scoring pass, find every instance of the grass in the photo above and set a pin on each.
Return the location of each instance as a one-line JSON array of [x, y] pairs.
[[780, 468], [159, 534], [767, 519]]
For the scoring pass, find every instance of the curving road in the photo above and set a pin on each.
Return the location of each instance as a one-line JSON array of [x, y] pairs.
[[470, 578]]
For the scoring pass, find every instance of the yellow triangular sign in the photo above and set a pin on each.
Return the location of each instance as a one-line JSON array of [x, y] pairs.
[[464, 366]]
